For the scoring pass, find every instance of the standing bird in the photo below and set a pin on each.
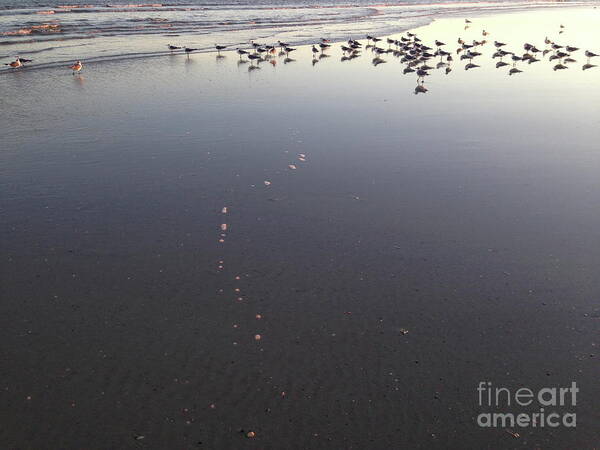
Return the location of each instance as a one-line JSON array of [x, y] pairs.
[[15, 64], [173, 47], [189, 50], [76, 68], [220, 47], [589, 55]]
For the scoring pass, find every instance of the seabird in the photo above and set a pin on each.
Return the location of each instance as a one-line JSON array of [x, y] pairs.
[[76, 68], [15, 64]]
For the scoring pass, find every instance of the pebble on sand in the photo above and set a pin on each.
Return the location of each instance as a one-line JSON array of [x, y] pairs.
[[250, 434]]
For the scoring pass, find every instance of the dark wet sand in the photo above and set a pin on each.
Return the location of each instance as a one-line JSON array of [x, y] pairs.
[[468, 217]]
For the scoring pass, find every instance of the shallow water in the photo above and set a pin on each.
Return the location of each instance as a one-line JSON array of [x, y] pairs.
[[467, 216], [51, 32]]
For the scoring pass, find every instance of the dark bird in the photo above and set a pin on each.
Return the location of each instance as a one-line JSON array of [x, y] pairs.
[[420, 89], [189, 50]]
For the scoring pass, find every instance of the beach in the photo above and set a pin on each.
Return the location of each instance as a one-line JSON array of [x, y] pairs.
[[304, 255]]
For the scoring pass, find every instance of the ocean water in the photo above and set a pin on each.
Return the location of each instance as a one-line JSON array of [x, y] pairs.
[[54, 32]]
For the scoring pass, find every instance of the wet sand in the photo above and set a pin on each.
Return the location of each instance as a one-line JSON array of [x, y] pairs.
[[427, 243]]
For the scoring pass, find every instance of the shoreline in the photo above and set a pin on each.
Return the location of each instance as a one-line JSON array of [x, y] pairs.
[[428, 19]]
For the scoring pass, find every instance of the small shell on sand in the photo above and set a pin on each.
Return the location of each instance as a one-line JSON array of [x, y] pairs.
[[257, 337], [258, 316], [250, 434], [267, 183], [302, 159], [301, 155], [292, 167]]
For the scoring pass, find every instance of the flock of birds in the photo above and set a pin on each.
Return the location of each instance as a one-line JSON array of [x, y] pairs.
[[417, 57]]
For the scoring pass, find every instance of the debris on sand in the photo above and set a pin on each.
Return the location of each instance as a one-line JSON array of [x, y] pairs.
[[513, 434]]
